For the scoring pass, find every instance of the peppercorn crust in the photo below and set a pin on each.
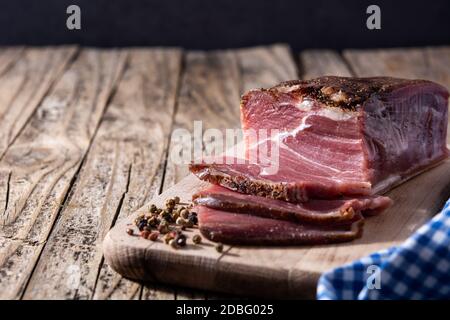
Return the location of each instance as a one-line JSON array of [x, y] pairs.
[[347, 93]]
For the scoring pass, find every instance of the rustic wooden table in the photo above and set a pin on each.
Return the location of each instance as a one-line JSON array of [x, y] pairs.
[[84, 140]]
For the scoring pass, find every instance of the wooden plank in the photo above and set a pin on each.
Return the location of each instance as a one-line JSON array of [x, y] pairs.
[[8, 57], [161, 78], [400, 62], [263, 67], [25, 77], [123, 170], [38, 169], [317, 63]]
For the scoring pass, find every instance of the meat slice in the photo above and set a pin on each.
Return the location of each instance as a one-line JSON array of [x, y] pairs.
[[337, 137], [244, 229], [313, 211]]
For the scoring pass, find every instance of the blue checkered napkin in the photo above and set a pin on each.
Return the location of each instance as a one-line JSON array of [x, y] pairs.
[[417, 269]]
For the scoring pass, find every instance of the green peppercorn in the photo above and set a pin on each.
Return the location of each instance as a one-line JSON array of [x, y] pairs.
[[153, 208], [176, 199], [197, 239]]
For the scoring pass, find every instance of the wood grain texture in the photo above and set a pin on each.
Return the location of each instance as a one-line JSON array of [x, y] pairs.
[[123, 170], [154, 76], [317, 63], [37, 170], [25, 78]]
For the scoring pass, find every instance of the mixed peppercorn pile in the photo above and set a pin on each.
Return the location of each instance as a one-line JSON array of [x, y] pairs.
[[170, 222]]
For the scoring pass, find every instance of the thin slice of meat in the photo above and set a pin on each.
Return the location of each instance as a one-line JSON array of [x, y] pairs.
[[313, 211], [244, 229], [337, 137]]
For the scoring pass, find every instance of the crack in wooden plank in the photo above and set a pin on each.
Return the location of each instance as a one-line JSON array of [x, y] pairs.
[[116, 215]]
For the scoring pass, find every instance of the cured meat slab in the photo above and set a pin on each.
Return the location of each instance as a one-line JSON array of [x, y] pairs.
[[336, 136], [289, 272]]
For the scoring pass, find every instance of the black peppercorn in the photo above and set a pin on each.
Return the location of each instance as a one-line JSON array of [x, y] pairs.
[[142, 224], [181, 240], [193, 219]]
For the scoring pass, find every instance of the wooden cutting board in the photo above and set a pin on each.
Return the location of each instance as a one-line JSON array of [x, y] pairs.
[[288, 272]]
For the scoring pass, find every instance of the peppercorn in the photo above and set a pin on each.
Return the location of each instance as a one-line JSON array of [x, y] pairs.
[[193, 213], [165, 214], [153, 221], [170, 203], [130, 231], [173, 234], [184, 213], [180, 240], [173, 244], [197, 239], [176, 199], [163, 229], [145, 234], [153, 208], [142, 224], [139, 219], [153, 236], [167, 238], [180, 221], [219, 247], [193, 219], [175, 215]]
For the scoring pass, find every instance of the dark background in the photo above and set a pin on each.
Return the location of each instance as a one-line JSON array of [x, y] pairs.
[[212, 24]]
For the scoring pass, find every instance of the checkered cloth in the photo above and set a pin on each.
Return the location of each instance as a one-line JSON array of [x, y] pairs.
[[417, 269]]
